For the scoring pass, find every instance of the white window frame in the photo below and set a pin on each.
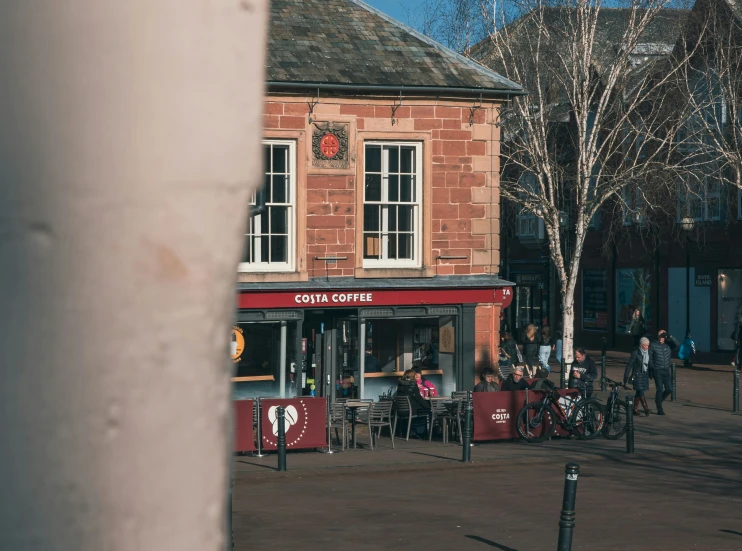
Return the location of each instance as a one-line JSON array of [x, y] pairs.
[[527, 224], [417, 210], [634, 202], [289, 265]]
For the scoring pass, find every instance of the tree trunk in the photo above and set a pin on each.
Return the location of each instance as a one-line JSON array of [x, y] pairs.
[[568, 322], [128, 147]]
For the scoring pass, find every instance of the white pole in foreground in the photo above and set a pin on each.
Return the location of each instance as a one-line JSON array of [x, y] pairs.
[[129, 141]]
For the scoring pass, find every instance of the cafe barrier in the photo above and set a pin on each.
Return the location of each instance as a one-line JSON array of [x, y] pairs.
[[567, 516], [305, 422], [244, 437], [630, 424], [281, 419], [735, 392], [495, 412]]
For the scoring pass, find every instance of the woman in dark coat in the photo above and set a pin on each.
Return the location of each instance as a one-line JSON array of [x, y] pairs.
[[508, 355], [637, 327], [637, 370], [407, 386]]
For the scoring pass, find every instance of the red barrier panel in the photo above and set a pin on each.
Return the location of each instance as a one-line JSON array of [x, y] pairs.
[[306, 423], [495, 413], [244, 435]]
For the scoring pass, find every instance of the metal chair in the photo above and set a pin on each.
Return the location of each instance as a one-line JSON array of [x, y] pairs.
[[403, 409], [455, 412], [380, 415], [439, 413], [337, 421]]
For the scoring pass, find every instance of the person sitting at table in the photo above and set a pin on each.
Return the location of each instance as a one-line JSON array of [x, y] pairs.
[[370, 363], [487, 383], [427, 389], [516, 380], [407, 386]]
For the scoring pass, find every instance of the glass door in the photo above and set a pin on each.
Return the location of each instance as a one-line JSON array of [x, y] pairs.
[[346, 371]]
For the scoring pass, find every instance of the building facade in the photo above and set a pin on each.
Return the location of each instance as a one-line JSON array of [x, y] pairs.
[[374, 244]]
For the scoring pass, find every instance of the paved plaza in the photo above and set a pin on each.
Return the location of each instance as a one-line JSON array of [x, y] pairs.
[[682, 489]]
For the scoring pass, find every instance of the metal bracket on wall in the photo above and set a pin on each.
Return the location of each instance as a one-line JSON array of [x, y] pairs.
[[395, 107], [312, 105], [328, 260], [473, 109]]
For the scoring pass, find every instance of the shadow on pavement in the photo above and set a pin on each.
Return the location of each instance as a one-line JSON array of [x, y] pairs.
[[731, 532], [494, 544]]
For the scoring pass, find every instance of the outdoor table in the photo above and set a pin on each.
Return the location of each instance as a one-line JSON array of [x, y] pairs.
[[353, 406]]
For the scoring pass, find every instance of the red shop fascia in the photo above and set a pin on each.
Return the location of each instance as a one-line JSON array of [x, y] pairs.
[[309, 311]]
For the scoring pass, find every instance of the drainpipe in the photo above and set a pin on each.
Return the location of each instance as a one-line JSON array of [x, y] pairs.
[[129, 144]]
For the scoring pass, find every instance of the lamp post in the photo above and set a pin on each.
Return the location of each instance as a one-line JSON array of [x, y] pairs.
[[687, 224]]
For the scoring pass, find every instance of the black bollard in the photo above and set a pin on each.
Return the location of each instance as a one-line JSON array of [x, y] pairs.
[[563, 376], [567, 517], [674, 386], [735, 394], [281, 418], [602, 366], [630, 424], [468, 413]]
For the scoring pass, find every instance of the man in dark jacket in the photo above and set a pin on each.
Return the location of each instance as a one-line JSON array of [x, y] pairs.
[[487, 384], [660, 357], [584, 373], [515, 381]]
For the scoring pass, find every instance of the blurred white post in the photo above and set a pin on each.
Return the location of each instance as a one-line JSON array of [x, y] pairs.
[[129, 141]]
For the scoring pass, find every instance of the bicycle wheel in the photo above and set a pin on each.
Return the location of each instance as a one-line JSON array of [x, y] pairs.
[[587, 419], [615, 420], [535, 423]]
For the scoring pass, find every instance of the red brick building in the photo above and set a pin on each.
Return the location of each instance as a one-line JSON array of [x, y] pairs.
[[375, 246]]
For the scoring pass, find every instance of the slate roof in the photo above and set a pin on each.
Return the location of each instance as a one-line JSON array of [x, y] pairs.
[[348, 43]]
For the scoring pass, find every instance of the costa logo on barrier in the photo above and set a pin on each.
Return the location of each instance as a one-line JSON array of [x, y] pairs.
[[321, 298], [501, 415], [295, 422], [290, 417]]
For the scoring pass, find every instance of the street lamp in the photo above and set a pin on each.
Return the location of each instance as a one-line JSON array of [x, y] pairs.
[[687, 224]]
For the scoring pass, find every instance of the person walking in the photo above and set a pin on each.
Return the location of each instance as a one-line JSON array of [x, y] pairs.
[[544, 351], [660, 356], [530, 350], [637, 327], [637, 371]]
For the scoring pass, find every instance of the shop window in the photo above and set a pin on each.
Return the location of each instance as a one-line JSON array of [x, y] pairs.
[[729, 307], [594, 300], [269, 242], [392, 205], [633, 292]]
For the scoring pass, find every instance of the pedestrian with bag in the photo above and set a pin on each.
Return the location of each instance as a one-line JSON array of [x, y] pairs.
[[530, 350], [660, 357], [637, 372]]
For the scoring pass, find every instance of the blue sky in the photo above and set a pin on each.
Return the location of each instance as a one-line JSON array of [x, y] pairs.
[[395, 8]]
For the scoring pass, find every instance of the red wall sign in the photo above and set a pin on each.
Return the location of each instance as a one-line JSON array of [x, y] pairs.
[[397, 297]]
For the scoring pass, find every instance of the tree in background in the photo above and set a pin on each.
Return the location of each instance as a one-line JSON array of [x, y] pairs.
[[597, 126]]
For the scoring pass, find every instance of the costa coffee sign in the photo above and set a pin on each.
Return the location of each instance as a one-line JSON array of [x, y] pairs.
[[412, 297]]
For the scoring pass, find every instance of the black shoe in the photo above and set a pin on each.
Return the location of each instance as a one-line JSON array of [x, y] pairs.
[[660, 412]]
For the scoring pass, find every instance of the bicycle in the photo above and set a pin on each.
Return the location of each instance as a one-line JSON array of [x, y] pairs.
[[616, 411], [582, 417]]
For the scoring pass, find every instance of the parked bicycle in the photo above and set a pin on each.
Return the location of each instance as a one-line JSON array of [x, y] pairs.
[[616, 411], [582, 417]]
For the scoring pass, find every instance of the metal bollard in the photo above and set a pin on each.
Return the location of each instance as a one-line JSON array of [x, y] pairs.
[[630, 424], [281, 418], [674, 386], [735, 394], [468, 413], [563, 376], [602, 366], [567, 516]]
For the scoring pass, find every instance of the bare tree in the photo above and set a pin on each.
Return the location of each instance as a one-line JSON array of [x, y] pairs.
[[710, 84], [597, 126]]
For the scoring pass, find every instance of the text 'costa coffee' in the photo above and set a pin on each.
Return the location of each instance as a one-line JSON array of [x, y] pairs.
[[321, 298]]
